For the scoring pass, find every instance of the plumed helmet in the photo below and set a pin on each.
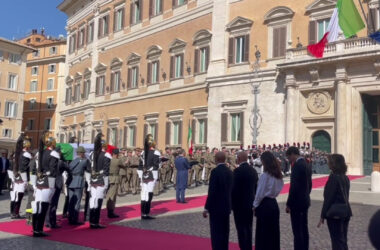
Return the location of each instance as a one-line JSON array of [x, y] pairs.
[[49, 141], [27, 142], [149, 141]]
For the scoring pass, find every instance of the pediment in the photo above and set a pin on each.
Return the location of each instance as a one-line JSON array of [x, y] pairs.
[[202, 36], [116, 63], [278, 13], [133, 58], [101, 67], [69, 79], [153, 51], [239, 23], [78, 76], [319, 5], [177, 44], [87, 72]]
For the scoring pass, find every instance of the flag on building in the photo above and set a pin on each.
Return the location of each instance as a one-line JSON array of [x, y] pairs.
[[190, 140], [345, 19]]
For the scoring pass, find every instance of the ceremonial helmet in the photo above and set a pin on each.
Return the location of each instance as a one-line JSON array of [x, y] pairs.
[[149, 141], [27, 142], [49, 140]]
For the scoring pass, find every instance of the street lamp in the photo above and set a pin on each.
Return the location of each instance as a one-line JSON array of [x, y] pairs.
[[255, 114]]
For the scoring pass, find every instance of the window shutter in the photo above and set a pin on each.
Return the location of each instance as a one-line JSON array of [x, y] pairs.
[[112, 82], [122, 17], [241, 137], [15, 110], [231, 51], [372, 20], [167, 133], [108, 135], [114, 20], [131, 14], [205, 131], [141, 9], [196, 60], [107, 22], [151, 8], [158, 72], [156, 133], [97, 86], [145, 130], [117, 138], [100, 27], [172, 67], [283, 42], [174, 3], [85, 35], [246, 48], [104, 85], [129, 77], [162, 6], [180, 133], [312, 32], [207, 57], [224, 127], [125, 137], [193, 125], [276, 36], [134, 136], [78, 43], [137, 77], [149, 74], [182, 63]]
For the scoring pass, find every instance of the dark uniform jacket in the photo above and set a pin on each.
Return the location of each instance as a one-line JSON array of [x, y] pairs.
[[152, 161], [50, 163], [103, 163], [244, 188], [77, 168]]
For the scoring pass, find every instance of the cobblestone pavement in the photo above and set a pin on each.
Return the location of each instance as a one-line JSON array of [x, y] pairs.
[[364, 204]]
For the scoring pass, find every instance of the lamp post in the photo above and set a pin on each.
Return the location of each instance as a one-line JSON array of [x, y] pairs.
[[255, 114]]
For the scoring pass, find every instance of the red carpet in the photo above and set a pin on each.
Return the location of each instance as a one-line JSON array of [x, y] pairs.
[[112, 236]]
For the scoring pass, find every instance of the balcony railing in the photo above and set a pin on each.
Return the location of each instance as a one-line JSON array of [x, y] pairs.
[[343, 47]]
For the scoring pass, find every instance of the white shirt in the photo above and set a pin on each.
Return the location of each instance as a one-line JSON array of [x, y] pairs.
[[268, 186]]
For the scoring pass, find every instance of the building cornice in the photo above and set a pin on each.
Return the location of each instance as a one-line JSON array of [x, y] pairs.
[[46, 60]]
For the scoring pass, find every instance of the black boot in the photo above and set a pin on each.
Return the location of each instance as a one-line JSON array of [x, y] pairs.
[[36, 233], [17, 205], [97, 215], [92, 218], [13, 203], [41, 218], [143, 209], [148, 206], [111, 214]]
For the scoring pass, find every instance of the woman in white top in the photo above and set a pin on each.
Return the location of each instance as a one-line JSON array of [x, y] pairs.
[[265, 205]]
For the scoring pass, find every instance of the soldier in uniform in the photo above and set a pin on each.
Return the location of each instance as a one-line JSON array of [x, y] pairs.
[[45, 186], [124, 184], [19, 175], [99, 180], [77, 169], [114, 180], [148, 174], [134, 165], [190, 179], [175, 155], [231, 160], [165, 169], [199, 167], [208, 165]]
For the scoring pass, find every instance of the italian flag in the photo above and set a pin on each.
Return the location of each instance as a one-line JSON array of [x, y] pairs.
[[189, 140], [345, 19]]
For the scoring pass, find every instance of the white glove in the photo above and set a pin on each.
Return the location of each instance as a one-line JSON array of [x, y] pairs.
[[106, 182]]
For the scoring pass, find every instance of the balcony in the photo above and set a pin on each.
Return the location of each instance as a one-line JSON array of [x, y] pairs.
[[348, 49]]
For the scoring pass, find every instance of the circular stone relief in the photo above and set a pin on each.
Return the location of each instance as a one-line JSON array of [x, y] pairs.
[[319, 102]]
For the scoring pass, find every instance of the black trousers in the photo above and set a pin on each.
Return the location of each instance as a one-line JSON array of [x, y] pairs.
[[267, 225], [338, 233], [300, 229], [2, 180], [52, 217], [243, 223], [220, 231]]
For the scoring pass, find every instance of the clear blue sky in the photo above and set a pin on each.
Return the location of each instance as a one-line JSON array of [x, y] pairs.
[[19, 17]]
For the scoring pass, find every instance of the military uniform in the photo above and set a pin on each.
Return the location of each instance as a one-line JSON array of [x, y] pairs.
[[77, 169], [114, 181], [124, 184], [198, 168], [170, 170], [165, 171], [231, 160], [190, 179], [209, 165], [134, 165]]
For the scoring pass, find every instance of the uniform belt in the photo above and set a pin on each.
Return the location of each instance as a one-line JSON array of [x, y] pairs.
[[135, 166]]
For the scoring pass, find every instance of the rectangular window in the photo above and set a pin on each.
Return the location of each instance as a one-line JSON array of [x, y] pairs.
[[30, 124], [119, 20], [103, 26], [322, 27], [201, 131], [52, 68], [10, 109], [179, 2], [47, 125], [72, 43], [68, 96], [86, 89], [35, 70], [50, 84], [36, 53], [100, 85], [49, 102], [81, 38], [178, 66], [134, 77], [33, 86], [131, 136], [53, 50], [155, 8], [203, 60], [155, 72], [77, 93], [175, 133], [279, 41], [136, 11], [113, 135], [115, 85], [90, 33], [32, 104], [1, 55], [14, 58], [7, 133], [152, 129], [12, 82], [239, 49], [235, 127]]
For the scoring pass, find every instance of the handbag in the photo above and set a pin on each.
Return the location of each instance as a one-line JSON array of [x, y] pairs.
[[339, 210]]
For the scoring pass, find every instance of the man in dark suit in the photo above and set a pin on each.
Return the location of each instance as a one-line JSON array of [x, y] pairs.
[[218, 203], [299, 198], [243, 195], [4, 166]]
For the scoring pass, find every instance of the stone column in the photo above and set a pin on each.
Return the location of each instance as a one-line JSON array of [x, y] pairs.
[[291, 101], [341, 112]]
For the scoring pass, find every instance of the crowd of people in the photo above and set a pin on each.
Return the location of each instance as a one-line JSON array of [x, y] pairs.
[[244, 181]]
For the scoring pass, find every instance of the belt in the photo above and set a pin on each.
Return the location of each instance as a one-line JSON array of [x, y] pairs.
[[113, 174]]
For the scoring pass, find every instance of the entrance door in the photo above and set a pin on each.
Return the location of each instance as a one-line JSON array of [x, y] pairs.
[[322, 141], [375, 123]]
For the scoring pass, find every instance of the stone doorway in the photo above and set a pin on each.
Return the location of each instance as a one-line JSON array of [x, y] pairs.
[[321, 141]]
